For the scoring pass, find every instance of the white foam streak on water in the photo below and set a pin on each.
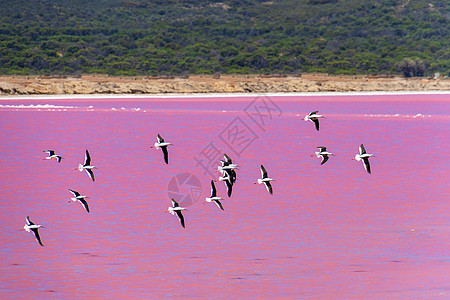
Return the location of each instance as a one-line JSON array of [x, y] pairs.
[[36, 106]]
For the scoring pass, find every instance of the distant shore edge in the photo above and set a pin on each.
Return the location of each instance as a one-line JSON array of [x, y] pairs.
[[215, 84]]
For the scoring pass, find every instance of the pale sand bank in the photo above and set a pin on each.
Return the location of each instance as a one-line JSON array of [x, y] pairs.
[[235, 85]]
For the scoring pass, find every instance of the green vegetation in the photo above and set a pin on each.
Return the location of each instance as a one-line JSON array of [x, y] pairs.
[[180, 37]]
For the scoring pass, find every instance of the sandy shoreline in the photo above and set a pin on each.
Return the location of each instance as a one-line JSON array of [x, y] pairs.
[[236, 85]]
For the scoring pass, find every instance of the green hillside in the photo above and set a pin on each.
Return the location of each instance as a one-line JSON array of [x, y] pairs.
[[143, 37]]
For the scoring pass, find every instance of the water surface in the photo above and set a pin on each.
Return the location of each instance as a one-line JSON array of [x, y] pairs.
[[328, 232]]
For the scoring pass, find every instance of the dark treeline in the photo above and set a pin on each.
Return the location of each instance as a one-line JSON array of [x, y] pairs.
[[144, 37]]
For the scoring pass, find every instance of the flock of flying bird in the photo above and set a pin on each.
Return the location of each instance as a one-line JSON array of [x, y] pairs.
[[227, 170]]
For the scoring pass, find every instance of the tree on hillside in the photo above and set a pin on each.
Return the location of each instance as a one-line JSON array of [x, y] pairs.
[[412, 67]]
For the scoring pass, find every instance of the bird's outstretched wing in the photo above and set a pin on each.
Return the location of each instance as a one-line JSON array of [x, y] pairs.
[[160, 139], [29, 221], [362, 150], [36, 235], [218, 204], [87, 159], [316, 123], [75, 193], [366, 164], [180, 215], [229, 160], [229, 187], [263, 172], [268, 187], [213, 189], [90, 174], [166, 154], [85, 204]]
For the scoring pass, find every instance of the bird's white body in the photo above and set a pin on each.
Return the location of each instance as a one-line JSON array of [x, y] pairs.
[[262, 180], [28, 228], [78, 198], [81, 167], [319, 154], [358, 157], [229, 167], [159, 145], [211, 199], [51, 155], [172, 210], [311, 117]]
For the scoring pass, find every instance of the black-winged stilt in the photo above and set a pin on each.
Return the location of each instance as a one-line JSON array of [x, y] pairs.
[[314, 117], [87, 166], [51, 154], [163, 145], [78, 197], [266, 180], [323, 153], [364, 156], [175, 208], [214, 197], [30, 226]]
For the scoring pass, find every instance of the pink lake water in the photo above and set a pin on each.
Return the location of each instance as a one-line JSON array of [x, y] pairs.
[[328, 232]]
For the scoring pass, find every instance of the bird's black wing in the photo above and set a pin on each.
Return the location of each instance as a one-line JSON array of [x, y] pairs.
[[75, 193], [90, 173], [87, 159], [316, 122], [366, 164], [324, 158], [362, 150], [160, 139], [228, 158], [85, 204], [174, 203], [38, 238], [180, 215], [213, 189], [166, 154], [263, 172], [269, 187], [233, 176], [219, 204], [229, 187]]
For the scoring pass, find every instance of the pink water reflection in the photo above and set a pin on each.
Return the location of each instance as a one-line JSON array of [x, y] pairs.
[[328, 232]]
